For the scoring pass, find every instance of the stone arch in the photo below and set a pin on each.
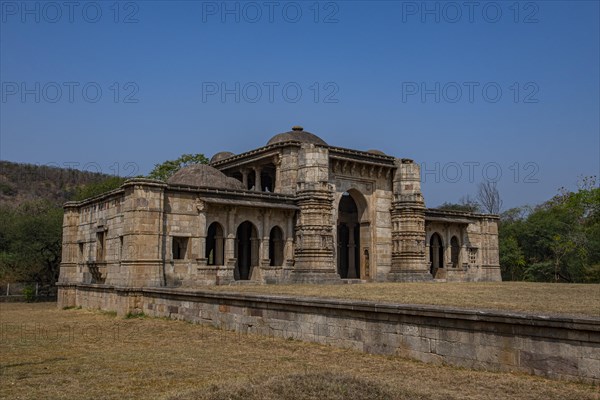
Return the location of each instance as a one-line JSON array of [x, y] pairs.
[[436, 253], [353, 235], [276, 244], [361, 204], [454, 252], [247, 245], [215, 244]]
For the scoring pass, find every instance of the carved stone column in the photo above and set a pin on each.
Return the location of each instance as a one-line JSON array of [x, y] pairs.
[[314, 252], [408, 225]]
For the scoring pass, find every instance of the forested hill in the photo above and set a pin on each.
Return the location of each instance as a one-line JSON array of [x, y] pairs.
[[25, 182]]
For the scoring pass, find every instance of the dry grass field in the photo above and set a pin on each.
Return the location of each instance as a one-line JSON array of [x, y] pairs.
[[546, 298], [47, 353]]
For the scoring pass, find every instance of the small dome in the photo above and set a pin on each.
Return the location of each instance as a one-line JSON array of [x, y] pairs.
[[222, 155], [297, 134], [202, 175], [378, 152]]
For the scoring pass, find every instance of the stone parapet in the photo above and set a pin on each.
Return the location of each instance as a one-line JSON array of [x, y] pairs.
[[558, 347]]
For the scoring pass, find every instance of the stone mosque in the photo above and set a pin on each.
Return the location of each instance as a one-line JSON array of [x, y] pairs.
[[296, 210]]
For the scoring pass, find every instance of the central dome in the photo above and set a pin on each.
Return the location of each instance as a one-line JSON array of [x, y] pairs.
[[297, 134], [204, 176]]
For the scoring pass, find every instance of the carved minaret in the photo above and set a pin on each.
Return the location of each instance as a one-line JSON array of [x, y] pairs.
[[314, 257], [408, 225]]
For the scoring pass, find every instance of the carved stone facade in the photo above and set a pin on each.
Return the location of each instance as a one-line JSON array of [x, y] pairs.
[[295, 210]]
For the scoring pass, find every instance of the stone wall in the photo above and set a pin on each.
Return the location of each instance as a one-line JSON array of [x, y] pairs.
[[477, 237], [556, 347]]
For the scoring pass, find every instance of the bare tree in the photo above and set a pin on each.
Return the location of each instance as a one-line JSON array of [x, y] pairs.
[[489, 197]]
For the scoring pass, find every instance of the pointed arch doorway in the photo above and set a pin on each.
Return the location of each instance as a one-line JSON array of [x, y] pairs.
[[246, 250], [352, 237], [436, 253]]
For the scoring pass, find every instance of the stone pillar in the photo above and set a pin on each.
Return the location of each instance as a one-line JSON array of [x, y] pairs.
[[254, 251], [462, 256], [277, 180], [257, 181], [351, 253], [264, 233], [288, 253], [408, 221], [218, 256], [199, 244], [230, 256], [244, 178]]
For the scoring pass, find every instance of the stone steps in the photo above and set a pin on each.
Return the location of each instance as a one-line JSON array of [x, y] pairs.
[[245, 282], [353, 281]]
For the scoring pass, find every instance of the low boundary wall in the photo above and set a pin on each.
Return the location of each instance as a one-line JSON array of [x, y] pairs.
[[555, 347]]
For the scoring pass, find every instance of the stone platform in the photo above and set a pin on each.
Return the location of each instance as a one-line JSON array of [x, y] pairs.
[[551, 346]]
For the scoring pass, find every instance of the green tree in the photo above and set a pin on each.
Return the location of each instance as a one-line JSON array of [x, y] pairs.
[[30, 242], [558, 240], [165, 170], [97, 188], [465, 204], [512, 259]]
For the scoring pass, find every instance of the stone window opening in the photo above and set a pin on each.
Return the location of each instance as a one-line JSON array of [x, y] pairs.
[[81, 259], [266, 182], [121, 247], [473, 255], [268, 178], [454, 251], [251, 180], [276, 245], [180, 245], [259, 178]]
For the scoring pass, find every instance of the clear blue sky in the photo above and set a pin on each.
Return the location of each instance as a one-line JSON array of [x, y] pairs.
[[417, 80]]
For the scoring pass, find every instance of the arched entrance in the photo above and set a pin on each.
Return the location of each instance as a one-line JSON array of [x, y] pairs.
[[436, 253], [276, 247], [246, 250], [348, 238], [214, 244]]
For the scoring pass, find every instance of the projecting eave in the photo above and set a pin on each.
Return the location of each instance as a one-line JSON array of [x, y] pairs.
[[252, 156], [339, 153], [248, 198], [456, 217]]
